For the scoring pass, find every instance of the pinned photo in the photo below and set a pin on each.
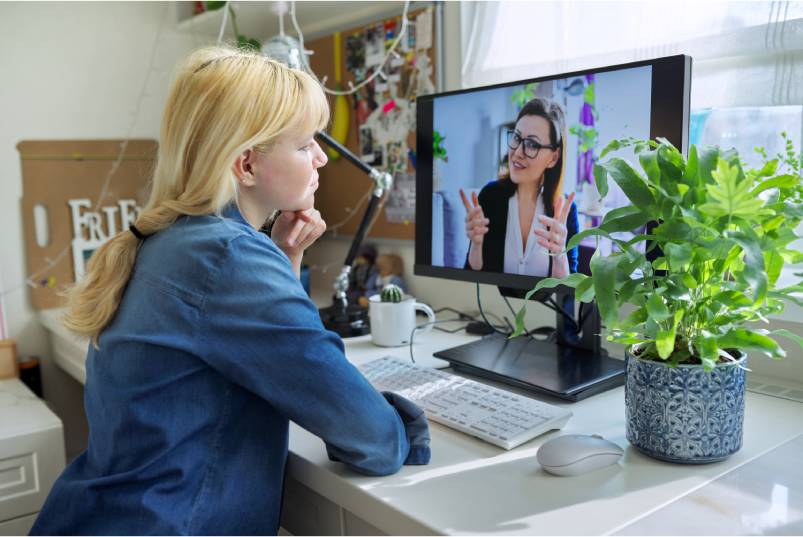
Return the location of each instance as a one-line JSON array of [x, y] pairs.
[[374, 45], [366, 144], [355, 53], [396, 158]]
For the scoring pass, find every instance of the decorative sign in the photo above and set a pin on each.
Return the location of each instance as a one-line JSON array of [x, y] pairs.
[[61, 183], [91, 229]]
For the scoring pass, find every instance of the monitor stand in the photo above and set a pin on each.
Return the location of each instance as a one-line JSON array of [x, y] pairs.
[[573, 368]]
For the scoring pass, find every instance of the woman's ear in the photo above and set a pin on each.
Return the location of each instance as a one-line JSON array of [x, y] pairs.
[[243, 168], [554, 158]]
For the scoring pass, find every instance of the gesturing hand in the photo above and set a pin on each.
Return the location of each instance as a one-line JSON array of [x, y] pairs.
[[295, 231], [553, 235], [476, 223]]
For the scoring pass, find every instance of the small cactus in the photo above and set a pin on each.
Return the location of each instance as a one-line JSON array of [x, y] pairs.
[[392, 293]]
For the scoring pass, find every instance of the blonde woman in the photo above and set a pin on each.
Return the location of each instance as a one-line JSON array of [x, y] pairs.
[[204, 343]]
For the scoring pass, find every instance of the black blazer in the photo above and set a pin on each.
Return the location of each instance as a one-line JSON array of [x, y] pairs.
[[494, 198]]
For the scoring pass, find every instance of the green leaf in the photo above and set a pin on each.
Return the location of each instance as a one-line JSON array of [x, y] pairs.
[[601, 180], [767, 170], [731, 300], [656, 308], [585, 290], [627, 218], [741, 338], [688, 280], [603, 271], [596, 231], [572, 280], [631, 183], [671, 165], [649, 163], [790, 335], [774, 263], [214, 6], [665, 340], [707, 163], [753, 273], [615, 145], [729, 196], [631, 321], [707, 350], [679, 255], [690, 175], [781, 181]]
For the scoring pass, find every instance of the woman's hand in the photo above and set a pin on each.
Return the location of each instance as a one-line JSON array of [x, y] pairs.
[[476, 223], [553, 235], [476, 229], [295, 231]]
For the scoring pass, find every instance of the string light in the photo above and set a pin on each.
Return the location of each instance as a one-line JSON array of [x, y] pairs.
[[352, 88], [32, 279]]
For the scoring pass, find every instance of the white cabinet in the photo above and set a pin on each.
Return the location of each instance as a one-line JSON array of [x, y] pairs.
[[305, 512], [31, 455]]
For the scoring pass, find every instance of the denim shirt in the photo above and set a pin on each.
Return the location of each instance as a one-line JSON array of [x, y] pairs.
[[214, 347]]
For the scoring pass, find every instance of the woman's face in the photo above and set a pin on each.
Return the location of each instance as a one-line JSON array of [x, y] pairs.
[[524, 170], [286, 177]]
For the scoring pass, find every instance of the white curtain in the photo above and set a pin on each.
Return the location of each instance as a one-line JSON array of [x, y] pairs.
[[744, 53]]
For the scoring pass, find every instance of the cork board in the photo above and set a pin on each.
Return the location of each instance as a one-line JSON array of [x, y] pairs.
[[343, 186], [54, 173]]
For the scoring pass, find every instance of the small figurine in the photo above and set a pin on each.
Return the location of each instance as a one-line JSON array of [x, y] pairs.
[[389, 270], [361, 272]]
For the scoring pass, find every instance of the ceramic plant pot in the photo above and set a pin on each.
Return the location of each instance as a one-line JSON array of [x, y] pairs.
[[684, 414]]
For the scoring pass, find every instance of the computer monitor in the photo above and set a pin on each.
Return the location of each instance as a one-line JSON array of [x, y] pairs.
[[515, 150]]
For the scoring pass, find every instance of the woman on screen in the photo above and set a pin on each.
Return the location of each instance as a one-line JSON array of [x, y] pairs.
[[520, 223]]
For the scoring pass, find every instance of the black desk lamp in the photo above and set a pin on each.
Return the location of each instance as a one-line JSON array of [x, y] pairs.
[[351, 320]]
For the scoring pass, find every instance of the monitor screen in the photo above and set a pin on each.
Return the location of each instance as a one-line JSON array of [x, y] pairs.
[[504, 174]]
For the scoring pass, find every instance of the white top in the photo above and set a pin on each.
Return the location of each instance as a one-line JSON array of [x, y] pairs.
[[532, 260]]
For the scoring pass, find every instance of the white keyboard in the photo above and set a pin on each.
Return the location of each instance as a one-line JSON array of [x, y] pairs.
[[496, 416]]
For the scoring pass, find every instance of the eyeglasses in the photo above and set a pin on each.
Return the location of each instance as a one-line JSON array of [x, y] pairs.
[[531, 147]]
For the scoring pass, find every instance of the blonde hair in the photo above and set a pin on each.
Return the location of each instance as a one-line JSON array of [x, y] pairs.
[[222, 102]]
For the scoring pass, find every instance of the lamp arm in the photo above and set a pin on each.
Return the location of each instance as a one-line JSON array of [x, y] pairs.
[[383, 181]]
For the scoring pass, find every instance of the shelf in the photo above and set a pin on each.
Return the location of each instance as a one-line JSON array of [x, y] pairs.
[[257, 19]]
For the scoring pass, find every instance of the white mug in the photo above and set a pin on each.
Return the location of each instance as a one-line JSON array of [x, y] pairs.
[[392, 323]]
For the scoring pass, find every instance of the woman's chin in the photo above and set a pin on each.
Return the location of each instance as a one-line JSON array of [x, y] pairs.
[[518, 178], [307, 203]]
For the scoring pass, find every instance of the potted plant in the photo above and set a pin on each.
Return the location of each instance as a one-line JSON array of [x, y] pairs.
[[721, 236]]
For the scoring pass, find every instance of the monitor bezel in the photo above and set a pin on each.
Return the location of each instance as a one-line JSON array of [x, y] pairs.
[[669, 118]]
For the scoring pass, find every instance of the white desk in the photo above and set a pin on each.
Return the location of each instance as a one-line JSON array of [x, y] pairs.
[[474, 488], [471, 487]]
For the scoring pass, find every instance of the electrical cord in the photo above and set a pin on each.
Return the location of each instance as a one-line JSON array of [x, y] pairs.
[[559, 310], [484, 318], [461, 317], [412, 334], [468, 317]]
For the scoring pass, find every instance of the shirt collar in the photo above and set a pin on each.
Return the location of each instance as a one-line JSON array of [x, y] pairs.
[[232, 211]]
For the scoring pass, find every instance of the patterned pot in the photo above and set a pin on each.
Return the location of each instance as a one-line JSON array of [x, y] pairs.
[[684, 414]]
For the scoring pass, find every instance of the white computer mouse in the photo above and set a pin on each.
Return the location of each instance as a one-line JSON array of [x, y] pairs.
[[575, 454]]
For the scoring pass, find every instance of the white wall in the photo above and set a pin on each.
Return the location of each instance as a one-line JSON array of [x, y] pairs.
[[72, 71]]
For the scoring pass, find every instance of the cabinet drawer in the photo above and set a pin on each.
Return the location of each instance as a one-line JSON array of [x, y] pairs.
[[18, 526], [29, 464]]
